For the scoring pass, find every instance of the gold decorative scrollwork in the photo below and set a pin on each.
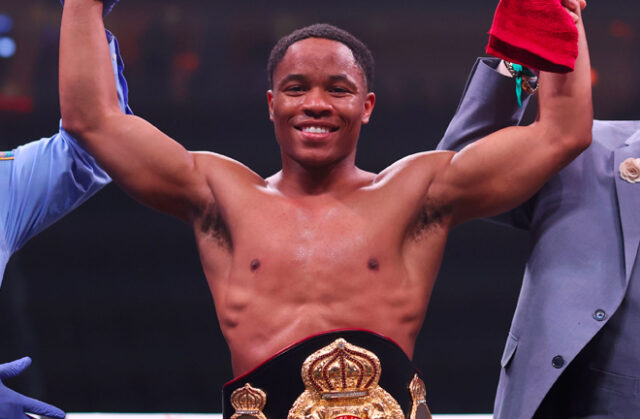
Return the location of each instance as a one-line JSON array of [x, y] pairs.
[[419, 408], [341, 382], [248, 402]]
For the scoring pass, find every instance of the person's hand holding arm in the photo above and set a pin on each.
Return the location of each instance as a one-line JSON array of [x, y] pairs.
[[146, 163], [505, 168]]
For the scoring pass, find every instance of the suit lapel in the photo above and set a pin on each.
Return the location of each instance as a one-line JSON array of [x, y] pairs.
[[628, 202]]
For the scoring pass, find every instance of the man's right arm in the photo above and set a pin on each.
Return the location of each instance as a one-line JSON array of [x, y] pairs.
[[507, 167], [149, 165], [488, 104]]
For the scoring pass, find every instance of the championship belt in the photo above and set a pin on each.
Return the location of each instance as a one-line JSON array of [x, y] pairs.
[[348, 374]]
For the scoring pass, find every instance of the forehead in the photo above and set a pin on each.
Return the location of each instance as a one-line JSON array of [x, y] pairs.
[[319, 56]]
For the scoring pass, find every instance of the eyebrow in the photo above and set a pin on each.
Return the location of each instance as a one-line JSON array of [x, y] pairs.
[[303, 79], [344, 79], [292, 77]]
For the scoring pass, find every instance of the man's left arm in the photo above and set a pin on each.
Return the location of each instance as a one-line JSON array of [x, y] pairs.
[[505, 168], [488, 103], [50, 177]]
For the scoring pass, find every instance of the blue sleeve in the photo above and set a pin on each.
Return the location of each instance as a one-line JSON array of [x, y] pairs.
[[118, 73], [45, 180], [42, 181], [488, 104]]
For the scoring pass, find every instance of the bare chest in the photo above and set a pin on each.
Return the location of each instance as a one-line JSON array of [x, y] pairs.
[[316, 244], [288, 271], [302, 243], [302, 249]]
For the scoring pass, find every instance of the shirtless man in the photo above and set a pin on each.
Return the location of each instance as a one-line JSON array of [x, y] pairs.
[[320, 245]]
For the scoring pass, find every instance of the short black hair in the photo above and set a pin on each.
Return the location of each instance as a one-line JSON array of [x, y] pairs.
[[361, 53]]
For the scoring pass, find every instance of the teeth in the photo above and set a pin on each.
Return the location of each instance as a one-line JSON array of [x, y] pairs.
[[316, 130]]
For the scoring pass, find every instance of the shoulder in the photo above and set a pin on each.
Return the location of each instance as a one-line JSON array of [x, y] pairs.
[[608, 131], [410, 182], [216, 165], [224, 180], [425, 165]]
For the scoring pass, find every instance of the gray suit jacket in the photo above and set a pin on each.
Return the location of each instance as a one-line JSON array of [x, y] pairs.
[[585, 228]]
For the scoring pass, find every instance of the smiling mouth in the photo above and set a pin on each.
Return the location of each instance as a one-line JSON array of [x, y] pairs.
[[313, 129]]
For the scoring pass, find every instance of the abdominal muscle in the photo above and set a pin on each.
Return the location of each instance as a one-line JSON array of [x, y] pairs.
[[261, 316], [298, 269]]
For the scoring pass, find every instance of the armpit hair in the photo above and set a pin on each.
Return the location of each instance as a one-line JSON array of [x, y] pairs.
[[213, 224], [430, 217]]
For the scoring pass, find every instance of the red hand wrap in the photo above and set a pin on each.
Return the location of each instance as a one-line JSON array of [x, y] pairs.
[[538, 34]]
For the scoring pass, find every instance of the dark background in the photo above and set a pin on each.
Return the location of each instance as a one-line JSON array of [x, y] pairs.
[[111, 302]]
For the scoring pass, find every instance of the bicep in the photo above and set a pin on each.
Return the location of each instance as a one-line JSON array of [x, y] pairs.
[[147, 164], [500, 171]]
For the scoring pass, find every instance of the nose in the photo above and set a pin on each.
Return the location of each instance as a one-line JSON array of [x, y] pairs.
[[316, 104]]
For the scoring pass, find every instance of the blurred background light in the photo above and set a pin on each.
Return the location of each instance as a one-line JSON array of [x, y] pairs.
[[6, 23], [595, 77], [621, 29], [7, 47]]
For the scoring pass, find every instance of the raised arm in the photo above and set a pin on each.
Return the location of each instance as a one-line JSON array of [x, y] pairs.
[[488, 104], [44, 180], [150, 166], [504, 169]]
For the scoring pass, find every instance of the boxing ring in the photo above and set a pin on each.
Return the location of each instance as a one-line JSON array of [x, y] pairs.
[[216, 416]]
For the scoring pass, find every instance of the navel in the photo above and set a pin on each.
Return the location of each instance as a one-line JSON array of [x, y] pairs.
[[373, 264], [255, 265]]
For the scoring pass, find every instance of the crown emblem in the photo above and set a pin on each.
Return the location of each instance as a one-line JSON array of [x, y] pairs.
[[341, 381], [419, 408], [341, 370], [248, 402]]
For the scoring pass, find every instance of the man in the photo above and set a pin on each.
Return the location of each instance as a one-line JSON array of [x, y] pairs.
[[41, 182], [573, 348], [320, 245]]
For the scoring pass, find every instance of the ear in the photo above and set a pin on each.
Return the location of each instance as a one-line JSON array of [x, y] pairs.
[[270, 103], [369, 103]]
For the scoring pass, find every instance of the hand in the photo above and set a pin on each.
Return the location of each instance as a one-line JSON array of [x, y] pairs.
[[574, 8], [14, 405], [107, 5]]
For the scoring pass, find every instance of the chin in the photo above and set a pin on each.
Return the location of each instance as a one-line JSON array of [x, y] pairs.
[[317, 160]]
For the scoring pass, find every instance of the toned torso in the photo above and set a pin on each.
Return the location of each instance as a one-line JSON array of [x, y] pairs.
[[322, 244], [282, 267]]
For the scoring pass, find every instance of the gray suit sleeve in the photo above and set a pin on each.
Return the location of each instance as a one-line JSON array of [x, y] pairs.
[[488, 104]]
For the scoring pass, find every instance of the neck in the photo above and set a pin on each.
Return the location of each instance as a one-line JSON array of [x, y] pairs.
[[296, 179]]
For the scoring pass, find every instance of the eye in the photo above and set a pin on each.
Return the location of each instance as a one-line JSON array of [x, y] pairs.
[[339, 90], [294, 89]]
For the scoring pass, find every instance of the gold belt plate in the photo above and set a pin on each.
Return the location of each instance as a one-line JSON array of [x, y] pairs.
[[341, 382]]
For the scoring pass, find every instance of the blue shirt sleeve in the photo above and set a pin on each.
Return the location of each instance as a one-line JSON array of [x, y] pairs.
[[42, 181], [45, 180]]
